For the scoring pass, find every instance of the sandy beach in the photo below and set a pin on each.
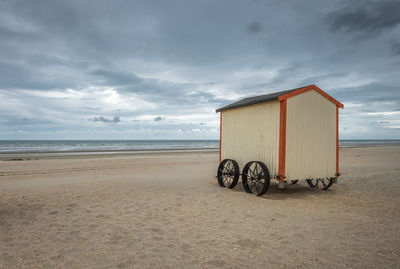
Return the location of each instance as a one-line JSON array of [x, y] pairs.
[[166, 210]]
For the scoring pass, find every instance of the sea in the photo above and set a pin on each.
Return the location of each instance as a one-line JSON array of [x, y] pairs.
[[12, 146]]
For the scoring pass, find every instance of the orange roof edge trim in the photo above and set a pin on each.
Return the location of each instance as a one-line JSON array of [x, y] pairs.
[[308, 88]]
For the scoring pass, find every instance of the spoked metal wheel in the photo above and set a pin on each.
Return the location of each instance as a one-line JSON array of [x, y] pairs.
[[320, 183], [294, 181], [228, 173], [255, 178]]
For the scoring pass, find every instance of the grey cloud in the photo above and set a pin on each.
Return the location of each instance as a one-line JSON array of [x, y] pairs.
[[322, 78], [22, 36], [288, 74], [395, 48], [115, 119], [368, 93], [10, 77], [158, 118], [365, 16], [116, 78], [130, 82], [156, 90], [32, 123], [254, 27]]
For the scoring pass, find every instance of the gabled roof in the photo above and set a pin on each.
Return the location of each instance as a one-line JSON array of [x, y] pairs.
[[282, 95], [256, 100]]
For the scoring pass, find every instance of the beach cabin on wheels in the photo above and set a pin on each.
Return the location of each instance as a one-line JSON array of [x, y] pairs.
[[286, 136]]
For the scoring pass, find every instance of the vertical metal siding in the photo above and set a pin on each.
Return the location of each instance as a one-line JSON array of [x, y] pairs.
[[310, 137], [251, 133]]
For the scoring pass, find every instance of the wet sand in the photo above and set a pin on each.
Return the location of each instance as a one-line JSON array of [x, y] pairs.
[[166, 210]]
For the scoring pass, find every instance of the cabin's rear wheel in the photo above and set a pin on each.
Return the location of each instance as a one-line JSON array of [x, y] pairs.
[[228, 173], [255, 178], [320, 183]]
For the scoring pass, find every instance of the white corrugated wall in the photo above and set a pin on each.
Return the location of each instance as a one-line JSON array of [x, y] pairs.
[[310, 137], [251, 133]]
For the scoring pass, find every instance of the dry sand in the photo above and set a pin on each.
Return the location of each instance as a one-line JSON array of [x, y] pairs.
[[166, 210]]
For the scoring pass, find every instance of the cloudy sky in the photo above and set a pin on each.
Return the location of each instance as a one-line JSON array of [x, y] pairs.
[[159, 69]]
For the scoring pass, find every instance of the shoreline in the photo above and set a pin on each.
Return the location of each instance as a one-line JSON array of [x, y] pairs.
[[370, 146], [35, 155]]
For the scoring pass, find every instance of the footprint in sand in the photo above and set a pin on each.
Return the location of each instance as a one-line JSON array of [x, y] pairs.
[[156, 230], [217, 263], [249, 243], [126, 264], [102, 216]]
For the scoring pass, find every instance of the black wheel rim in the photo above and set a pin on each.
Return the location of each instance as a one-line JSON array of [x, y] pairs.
[[256, 178], [228, 173]]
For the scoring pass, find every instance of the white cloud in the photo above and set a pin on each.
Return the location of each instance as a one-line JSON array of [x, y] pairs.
[[352, 104], [384, 113]]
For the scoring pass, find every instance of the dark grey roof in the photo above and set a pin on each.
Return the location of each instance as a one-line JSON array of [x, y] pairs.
[[256, 99]]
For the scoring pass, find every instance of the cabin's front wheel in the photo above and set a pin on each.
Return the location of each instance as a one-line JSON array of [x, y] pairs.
[[255, 178], [228, 173], [320, 183]]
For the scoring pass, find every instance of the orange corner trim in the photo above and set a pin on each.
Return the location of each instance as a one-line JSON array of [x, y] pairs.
[[337, 142], [282, 139], [220, 135], [308, 88]]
